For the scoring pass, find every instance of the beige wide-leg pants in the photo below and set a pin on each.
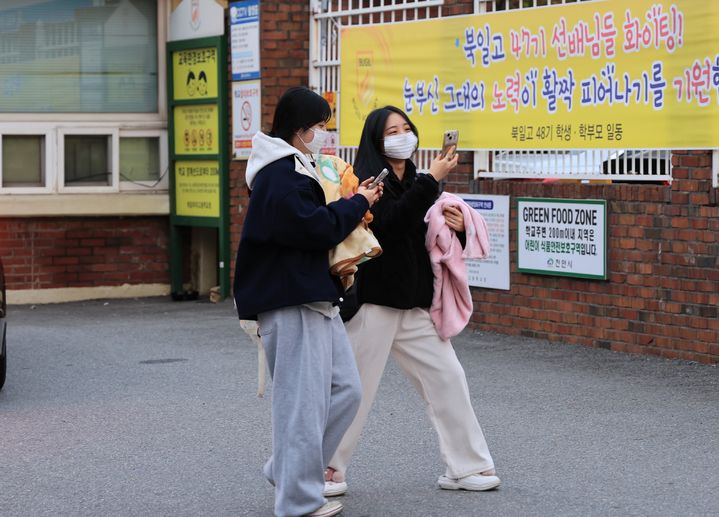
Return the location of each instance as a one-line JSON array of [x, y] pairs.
[[432, 366]]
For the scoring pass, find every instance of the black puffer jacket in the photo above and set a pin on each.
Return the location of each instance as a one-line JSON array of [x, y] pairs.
[[402, 276]]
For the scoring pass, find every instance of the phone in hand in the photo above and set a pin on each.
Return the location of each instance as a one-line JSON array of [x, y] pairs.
[[379, 179], [451, 138]]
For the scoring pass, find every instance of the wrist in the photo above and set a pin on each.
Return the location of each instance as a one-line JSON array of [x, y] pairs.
[[434, 175]]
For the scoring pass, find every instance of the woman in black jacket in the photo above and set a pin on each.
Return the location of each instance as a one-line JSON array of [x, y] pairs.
[[395, 293], [282, 279]]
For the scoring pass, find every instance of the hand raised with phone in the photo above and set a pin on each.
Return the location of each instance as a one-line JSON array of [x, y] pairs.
[[447, 158]]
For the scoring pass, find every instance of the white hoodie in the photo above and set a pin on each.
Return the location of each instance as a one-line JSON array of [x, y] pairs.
[[267, 149]]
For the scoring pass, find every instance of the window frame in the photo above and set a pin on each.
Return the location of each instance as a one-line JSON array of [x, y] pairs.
[[114, 158], [163, 182], [50, 157]]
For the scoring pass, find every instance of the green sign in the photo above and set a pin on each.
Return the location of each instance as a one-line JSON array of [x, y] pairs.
[[564, 237], [199, 177]]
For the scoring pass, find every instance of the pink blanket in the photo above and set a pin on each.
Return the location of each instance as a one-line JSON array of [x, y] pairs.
[[452, 300]]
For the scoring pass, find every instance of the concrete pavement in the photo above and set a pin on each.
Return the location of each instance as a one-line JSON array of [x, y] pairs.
[[148, 407]]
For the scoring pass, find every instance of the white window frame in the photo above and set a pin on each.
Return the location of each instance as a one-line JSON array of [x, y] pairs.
[[55, 125], [114, 157], [50, 157], [163, 182]]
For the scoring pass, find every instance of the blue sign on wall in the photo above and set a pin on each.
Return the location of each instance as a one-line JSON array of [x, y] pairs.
[[245, 39]]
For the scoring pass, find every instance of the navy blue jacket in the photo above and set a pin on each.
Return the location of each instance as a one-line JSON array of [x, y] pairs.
[[283, 256]]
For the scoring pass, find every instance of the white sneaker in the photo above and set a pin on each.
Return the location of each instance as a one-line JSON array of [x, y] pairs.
[[475, 482], [328, 509], [334, 488]]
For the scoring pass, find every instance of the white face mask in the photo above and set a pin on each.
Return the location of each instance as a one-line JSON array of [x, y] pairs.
[[400, 147], [317, 142]]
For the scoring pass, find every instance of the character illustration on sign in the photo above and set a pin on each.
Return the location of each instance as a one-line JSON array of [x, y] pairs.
[[191, 83], [187, 138], [365, 101], [194, 138], [202, 84], [365, 76], [202, 137], [246, 114], [208, 138]]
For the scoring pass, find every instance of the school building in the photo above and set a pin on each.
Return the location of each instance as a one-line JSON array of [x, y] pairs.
[[87, 159]]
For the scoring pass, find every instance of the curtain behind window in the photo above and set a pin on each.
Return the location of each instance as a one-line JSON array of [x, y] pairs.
[[88, 56]]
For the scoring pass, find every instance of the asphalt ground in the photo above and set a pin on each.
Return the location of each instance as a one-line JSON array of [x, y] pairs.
[[149, 407]]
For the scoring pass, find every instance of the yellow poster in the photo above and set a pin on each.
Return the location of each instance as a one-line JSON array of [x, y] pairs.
[[194, 73], [331, 98], [196, 129], [611, 74], [197, 188]]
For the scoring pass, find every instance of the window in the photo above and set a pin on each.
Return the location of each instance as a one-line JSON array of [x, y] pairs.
[[79, 56], [23, 160], [143, 160], [27, 159], [88, 159], [140, 159]]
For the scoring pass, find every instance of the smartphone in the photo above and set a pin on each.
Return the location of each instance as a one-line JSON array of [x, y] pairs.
[[451, 138], [379, 179]]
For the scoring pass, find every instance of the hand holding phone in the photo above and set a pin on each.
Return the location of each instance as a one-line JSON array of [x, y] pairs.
[[450, 139], [379, 179], [447, 160]]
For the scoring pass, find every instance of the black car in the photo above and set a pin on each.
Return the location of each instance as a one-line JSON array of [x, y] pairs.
[[3, 327]]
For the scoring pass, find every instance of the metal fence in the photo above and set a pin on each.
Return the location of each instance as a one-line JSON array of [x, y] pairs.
[[329, 16]]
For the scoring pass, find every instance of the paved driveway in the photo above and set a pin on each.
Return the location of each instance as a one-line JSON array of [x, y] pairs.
[[148, 407]]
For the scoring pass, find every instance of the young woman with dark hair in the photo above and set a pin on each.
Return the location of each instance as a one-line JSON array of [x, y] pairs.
[[282, 279], [395, 292]]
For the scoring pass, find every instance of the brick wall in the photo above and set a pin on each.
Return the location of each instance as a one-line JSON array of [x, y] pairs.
[[284, 58], [44, 253], [662, 295]]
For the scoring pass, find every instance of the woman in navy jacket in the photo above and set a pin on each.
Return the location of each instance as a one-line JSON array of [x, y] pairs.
[[282, 279]]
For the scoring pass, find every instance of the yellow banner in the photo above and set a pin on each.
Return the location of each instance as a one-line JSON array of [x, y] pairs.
[[197, 189], [194, 74], [608, 74], [196, 129]]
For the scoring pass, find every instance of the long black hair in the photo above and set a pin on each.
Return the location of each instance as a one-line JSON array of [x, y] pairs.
[[299, 108], [370, 158]]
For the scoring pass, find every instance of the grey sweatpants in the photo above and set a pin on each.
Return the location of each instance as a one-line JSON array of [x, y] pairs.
[[315, 395]]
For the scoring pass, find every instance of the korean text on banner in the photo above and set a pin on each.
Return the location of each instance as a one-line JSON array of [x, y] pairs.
[[639, 74]]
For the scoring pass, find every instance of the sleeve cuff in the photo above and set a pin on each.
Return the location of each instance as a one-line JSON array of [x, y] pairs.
[[362, 201]]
